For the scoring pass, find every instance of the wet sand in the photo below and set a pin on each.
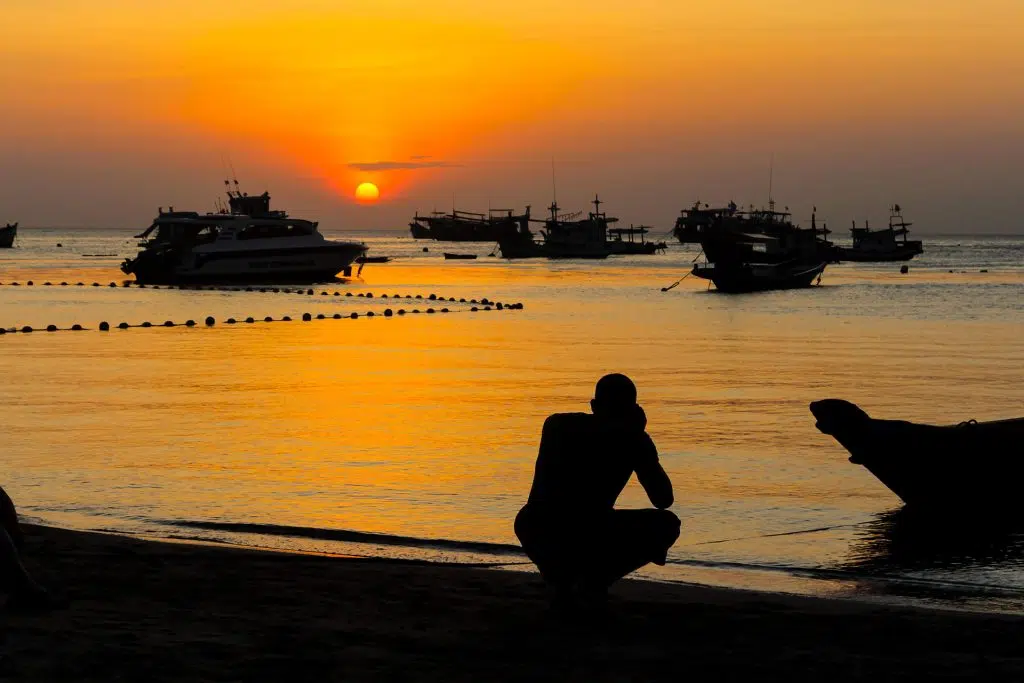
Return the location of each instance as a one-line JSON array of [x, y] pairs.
[[162, 611]]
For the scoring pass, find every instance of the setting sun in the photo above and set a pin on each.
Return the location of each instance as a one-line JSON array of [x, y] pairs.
[[367, 193]]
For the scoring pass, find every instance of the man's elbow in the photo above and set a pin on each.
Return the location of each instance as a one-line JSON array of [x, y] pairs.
[[663, 500]]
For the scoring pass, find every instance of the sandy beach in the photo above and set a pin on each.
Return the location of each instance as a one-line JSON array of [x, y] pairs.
[[168, 611]]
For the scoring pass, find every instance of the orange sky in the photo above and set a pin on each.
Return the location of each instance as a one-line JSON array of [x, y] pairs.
[[126, 106]]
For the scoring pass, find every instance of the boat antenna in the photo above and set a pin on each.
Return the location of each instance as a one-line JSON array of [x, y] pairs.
[[771, 177], [554, 187]]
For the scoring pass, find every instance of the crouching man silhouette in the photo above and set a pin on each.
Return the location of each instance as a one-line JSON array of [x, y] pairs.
[[569, 526]]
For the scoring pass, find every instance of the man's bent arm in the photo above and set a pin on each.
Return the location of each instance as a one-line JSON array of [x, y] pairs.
[[654, 479]]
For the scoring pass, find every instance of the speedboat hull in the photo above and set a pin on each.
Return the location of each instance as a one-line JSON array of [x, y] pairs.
[[745, 278], [967, 468], [319, 263]]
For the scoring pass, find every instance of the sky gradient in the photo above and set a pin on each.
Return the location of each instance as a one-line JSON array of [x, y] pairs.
[[114, 107]]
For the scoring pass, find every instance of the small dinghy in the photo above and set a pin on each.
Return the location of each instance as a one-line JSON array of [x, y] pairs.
[[466, 257], [969, 468]]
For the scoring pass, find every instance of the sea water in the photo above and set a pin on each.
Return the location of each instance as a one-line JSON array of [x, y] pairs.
[[414, 436]]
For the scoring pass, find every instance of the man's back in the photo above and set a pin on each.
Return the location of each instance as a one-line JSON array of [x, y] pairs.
[[583, 465]]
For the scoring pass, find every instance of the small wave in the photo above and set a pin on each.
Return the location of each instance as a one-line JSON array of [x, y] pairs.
[[348, 536]]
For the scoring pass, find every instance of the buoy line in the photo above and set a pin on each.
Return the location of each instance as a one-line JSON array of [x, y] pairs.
[[210, 321], [305, 291]]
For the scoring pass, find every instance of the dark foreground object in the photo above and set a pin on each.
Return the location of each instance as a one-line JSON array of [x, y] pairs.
[[965, 469], [145, 611]]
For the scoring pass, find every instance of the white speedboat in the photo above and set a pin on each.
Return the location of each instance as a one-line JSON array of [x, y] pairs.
[[245, 242]]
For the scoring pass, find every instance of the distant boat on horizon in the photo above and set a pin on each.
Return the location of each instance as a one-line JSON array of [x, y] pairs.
[[7, 235], [882, 245], [465, 226]]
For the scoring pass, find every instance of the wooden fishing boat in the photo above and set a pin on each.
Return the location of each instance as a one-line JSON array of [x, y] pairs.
[[7, 235], [457, 257], [743, 278], [971, 467]]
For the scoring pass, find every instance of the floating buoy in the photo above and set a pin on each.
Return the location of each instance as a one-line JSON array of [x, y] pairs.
[[307, 317], [396, 296], [473, 301], [498, 306], [337, 316], [104, 326], [408, 296], [320, 316], [190, 323], [210, 321], [248, 289], [383, 296], [250, 320], [983, 270], [276, 290], [230, 321], [51, 328], [462, 301], [63, 284], [46, 284], [2, 331], [156, 286], [370, 314], [388, 313], [425, 250], [452, 299], [430, 310], [286, 319], [147, 324], [323, 293], [487, 308], [27, 328], [415, 310], [15, 284], [126, 285], [474, 309], [401, 311], [433, 297], [168, 323], [76, 328], [59, 245], [904, 270], [354, 315], [484, 301], [444, 310], [348, 294], [122, 326], [112, 284], [95, 284], [360, 294], [309, 292], [80, 284], [268, 319], [369, 295], [29, 283]]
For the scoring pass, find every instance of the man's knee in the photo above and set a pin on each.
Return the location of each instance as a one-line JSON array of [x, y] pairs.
[[668, 526]]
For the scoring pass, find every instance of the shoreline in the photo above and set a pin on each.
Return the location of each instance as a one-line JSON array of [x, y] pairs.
[[172, 610]]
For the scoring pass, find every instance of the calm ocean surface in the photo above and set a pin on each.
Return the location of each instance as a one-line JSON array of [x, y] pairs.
[[426, 427]]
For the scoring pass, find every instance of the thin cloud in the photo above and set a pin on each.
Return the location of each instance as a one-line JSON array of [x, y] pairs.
[[419, 157], [400, 165]]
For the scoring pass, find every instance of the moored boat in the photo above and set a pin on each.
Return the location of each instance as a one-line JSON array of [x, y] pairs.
[[882, 245], [970, 467], [623, 241], [7, 235], [564, 236], [456, 257], [742, 278], [466, 226], [244, 242]]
